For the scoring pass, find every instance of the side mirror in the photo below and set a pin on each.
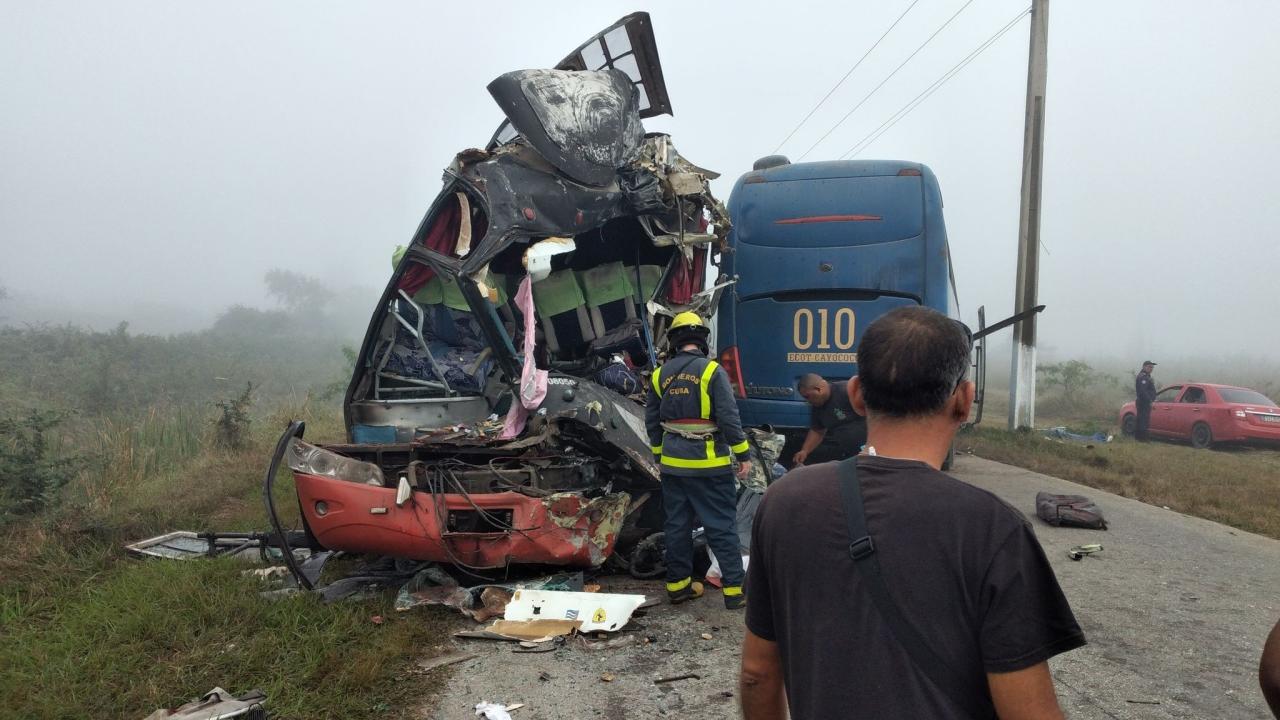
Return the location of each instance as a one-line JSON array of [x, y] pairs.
[[403, 491]]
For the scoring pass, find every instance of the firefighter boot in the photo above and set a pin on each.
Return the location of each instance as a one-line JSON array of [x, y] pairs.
[[686, 589], [734, 598]]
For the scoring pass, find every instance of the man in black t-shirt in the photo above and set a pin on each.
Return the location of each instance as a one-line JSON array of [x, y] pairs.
[[1269, 670], [963, 568], [835, 430]]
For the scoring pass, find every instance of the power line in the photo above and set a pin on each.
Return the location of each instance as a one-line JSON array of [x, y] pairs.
[[887, 79], [846, 77], [915, 102]]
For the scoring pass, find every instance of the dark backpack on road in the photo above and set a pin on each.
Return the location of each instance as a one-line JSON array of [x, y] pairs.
[[1069, 511]]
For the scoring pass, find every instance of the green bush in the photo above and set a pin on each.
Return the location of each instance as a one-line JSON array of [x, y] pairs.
[[32, 470], [231, 429], [1074, 389]]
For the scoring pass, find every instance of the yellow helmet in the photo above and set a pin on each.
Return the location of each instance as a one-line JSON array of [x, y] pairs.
[[687, 320]]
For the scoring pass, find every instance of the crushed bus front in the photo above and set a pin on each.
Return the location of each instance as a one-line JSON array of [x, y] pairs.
[[495, 413]]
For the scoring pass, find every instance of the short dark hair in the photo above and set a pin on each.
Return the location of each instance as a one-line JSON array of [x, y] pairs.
[[911, 360]]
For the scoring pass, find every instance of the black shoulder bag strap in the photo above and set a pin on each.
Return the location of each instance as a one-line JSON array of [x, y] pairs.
[[863, 552]]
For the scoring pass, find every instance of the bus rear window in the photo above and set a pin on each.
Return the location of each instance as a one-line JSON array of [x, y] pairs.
[[835, 212]]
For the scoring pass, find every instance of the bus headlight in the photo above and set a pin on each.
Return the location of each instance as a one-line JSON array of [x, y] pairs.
[[308, 459]]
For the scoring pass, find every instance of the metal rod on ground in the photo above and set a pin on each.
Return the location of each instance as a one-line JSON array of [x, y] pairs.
[[1022, 374]]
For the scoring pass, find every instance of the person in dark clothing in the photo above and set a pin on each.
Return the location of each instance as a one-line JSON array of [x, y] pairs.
[[1269, 670], [695, 433], [963, 568], [1145, 389], [835, 430]]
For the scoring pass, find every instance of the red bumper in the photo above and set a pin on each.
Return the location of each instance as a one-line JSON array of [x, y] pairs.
[[562, 529], [1258, 432]]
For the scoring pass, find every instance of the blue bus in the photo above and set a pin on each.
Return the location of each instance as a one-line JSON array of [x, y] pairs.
[[818, 251]]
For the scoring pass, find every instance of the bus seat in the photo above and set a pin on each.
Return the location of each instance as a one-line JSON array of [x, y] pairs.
[[563, 311], [609, 296], [453, 298], [431, 294], [650, 276]]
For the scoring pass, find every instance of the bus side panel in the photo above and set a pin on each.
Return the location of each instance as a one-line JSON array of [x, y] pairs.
[[939, 275]]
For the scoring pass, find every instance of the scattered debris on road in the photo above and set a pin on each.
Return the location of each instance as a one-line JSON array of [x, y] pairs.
[[449, 658], [605, 612], [537, 631], [496, 711], [615, 644], [188, 545], [538, 616], [1078, 552], [539, 647], [218, 704], [432, 585]]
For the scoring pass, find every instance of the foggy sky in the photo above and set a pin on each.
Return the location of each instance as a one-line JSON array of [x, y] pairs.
[[156, 158]]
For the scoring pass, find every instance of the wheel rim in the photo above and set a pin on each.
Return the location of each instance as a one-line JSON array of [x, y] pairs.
[[1201, 435]]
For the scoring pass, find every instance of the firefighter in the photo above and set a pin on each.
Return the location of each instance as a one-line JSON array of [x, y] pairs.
[[695, 434]]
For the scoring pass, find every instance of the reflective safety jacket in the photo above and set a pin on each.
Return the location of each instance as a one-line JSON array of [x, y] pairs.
[[691, 396]]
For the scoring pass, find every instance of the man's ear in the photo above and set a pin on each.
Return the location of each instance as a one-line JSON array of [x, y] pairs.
[[854, 389], [962, 401]]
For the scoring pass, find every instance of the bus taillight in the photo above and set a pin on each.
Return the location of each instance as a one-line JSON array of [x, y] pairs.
[[730, 362]]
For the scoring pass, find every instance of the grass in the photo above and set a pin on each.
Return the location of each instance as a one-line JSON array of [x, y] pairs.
[[155, 634], [1238, 487], [89, 631]]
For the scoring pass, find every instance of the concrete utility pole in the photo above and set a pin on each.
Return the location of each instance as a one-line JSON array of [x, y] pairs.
[[1022, 377]]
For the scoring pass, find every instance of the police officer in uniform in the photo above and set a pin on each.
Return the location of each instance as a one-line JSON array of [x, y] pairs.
[[1145, 389], [695, 433]]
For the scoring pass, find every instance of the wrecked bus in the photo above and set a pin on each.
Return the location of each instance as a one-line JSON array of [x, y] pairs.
[[494, 415]]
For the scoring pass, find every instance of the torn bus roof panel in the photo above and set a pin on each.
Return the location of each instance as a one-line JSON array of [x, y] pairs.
[[585, 123]]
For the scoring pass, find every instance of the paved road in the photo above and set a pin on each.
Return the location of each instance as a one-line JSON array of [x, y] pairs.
[[1175, 609]]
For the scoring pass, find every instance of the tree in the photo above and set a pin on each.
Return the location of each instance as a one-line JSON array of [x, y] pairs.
[[297, 292], [1073, 376]]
